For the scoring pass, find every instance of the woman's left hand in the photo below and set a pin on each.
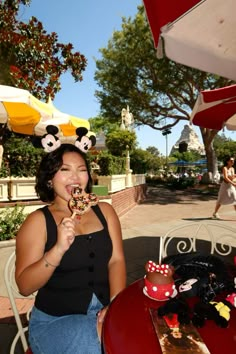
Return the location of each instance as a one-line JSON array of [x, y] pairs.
[[100, 318]]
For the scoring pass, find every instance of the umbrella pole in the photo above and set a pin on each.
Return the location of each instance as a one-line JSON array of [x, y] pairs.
[[2, 131]]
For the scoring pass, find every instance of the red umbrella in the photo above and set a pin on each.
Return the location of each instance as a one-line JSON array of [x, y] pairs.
[[216, 109], [199, 34], [162, 12]]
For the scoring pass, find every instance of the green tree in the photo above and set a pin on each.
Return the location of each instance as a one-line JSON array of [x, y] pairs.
[[224, 147], [31, 58], [117, 141], [98, 124], [20, 158], [190, 156], [110, 164], [159, 92], [153, 150], [143, 161]]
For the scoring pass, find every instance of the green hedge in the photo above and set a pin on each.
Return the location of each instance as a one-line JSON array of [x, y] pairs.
[[111, 165], [10, 222]]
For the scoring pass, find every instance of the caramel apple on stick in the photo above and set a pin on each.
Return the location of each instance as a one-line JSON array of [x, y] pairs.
[[81, 203]]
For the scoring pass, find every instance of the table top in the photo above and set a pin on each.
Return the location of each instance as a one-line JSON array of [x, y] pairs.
[[128, 325]]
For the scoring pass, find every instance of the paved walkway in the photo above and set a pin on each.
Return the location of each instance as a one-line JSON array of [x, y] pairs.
[[141, 228], [165, 208]]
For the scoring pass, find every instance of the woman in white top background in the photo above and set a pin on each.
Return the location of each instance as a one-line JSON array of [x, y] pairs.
[[227, 191]]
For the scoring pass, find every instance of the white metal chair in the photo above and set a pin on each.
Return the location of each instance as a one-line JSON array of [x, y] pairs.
[[192, 237], [13, 294]]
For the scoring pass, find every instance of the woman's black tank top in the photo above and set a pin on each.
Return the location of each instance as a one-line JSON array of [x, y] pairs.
[[83, 271]]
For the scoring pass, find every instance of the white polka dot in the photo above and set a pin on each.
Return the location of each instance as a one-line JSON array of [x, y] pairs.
[[154, 288]]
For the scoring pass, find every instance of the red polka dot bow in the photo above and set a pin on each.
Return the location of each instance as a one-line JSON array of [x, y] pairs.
[[159, 268]]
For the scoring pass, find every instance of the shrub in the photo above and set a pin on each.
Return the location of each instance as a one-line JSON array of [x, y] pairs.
[[181, 183], [4, 171], [111, 165], [10, 222], [20, 157], [155, 180]]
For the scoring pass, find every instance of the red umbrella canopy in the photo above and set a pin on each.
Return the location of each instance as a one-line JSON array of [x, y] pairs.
[[198, 34], [161, 12], [216, 109]]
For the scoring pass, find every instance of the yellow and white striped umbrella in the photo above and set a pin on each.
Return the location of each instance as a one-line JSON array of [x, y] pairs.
[[25, 114]]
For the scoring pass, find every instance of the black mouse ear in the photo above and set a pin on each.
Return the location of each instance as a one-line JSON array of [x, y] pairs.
[[93, 139], [81, 131], [52, 129]]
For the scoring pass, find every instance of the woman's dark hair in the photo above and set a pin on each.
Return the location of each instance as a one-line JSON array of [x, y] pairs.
[[227, 158], [49, 166]]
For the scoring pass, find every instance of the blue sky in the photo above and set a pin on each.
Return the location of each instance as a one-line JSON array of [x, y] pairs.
[[88, 25]]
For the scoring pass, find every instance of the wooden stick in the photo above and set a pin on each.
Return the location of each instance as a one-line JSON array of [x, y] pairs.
[[160, 250], [73, 215]]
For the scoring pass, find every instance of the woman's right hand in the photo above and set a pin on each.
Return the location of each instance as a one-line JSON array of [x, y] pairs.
[[65, 234]]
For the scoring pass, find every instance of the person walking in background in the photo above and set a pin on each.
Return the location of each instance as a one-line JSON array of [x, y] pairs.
[[76, 265], [227, 191]]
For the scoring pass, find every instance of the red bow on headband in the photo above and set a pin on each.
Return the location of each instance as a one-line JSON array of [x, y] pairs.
[[159, 268]]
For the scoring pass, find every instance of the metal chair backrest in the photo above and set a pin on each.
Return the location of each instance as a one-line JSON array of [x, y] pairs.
[[212, 237], [13, 294]]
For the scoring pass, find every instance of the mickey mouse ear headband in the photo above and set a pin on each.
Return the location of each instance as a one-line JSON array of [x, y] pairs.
[[81, 137]]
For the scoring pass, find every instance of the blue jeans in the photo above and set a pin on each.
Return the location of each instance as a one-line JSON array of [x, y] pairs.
[[70, 334]]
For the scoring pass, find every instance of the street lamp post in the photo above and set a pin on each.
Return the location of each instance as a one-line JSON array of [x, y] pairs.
[[127, 120], [165, 133]]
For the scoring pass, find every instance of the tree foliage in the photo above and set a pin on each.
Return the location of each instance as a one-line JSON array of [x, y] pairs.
[[159, 92], [31, 58], [144, 161], [98, 124], [224, 147], [20, 158], [118, 141], [190, 156], [153, 150], [10, 221], [110, 164]]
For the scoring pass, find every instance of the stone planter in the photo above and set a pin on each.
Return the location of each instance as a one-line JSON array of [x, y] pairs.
[[6, 248], [22, 188], [4, 189]]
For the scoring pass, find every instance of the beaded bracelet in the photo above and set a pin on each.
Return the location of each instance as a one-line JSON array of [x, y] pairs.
[[47, 264]]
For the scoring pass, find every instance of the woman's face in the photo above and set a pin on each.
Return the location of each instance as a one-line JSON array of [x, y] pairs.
[[231, 161], [72, 172]]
